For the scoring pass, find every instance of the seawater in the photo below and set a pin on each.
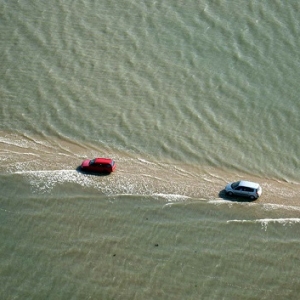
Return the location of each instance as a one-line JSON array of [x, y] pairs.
[[185, 97]]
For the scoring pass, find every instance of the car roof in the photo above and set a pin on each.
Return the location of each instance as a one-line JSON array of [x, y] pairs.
[[102, 160], [249, 184]]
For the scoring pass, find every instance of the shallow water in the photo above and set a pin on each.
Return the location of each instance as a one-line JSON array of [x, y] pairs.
[[185, 97]]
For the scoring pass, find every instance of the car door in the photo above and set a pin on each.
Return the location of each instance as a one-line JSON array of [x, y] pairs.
[[100, 168], [104, 168], [107, 168], [239, 191], [249, 191], [94, 167]]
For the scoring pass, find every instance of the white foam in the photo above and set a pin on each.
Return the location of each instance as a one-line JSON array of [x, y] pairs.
[[45, 180], [228, 202], [220, 201], [267, 221], [172, 197], [270, 206], [18, 143], [267, 206], [145, 161]]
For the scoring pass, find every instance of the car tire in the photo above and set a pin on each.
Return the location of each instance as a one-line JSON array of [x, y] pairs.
[[252, 198], [230, 194]]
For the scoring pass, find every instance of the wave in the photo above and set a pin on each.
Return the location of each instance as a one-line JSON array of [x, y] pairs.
[[267, 221], [171, 197], [265, 206], [270, 206]]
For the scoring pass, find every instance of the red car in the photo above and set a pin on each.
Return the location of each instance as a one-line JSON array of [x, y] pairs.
[[98, 165]]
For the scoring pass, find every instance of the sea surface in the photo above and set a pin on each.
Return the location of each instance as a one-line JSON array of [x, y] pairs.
[[185, 96]]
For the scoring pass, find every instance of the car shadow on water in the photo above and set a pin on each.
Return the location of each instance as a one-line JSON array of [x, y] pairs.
[[79, 170], [223, 195]]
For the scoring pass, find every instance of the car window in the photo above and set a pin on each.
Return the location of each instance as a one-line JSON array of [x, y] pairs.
[[235, 185], [246, 189]]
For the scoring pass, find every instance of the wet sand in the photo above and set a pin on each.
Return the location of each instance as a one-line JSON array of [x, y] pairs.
[[135, 175]]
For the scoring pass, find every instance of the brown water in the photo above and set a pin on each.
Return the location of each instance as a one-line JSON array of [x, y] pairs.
[[185, 98]]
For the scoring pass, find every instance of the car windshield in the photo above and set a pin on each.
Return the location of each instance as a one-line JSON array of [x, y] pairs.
[[235, 184], [92, 162]]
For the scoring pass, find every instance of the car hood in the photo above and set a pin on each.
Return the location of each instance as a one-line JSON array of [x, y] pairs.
[[228, 186], [85, 163]]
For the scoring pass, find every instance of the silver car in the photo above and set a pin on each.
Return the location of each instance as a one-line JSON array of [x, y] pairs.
[[244, 189]]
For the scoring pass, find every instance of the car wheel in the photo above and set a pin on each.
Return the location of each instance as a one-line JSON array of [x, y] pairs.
[[230, 194], [252, 198]]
